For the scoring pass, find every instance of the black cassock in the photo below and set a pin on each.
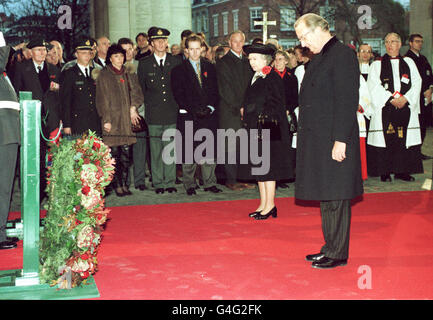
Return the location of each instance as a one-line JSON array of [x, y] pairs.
[[266, 96]]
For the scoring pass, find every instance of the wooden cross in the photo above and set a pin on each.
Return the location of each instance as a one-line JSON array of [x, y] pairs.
[[265, 23]]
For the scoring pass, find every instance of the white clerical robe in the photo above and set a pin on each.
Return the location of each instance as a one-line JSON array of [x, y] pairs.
[[380, 96], [365, 103]]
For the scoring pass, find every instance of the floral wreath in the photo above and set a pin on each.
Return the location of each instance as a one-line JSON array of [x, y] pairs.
[[78, 172]]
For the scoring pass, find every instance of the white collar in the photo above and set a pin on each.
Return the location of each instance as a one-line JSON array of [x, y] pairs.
[[158, 59], [237, 55], [83, 68], [38, 65]]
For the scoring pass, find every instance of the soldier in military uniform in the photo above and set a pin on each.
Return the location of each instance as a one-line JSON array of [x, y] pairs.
[[161, 107], [77, 93]]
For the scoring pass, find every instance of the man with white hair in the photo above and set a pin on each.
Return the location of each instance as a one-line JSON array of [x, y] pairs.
[[394, 134], [9, 142]]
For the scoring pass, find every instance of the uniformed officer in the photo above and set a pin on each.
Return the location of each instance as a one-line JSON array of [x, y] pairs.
[[161, 108], [77, 92]]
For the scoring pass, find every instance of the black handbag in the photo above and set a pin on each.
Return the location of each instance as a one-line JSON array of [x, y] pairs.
[[140, 126], [267, 122], [293, 122]]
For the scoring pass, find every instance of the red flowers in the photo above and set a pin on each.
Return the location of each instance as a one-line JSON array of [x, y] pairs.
[[85, 190], [266, 70], [84, 256], [205, 74], [96, 146], [122, 80]]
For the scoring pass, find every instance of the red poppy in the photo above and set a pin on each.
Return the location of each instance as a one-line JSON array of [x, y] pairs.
[[266, 70], [52, 76], [405, 76], [85, 190], [205, 74], [96, 145], [4, 74], [122, 80]]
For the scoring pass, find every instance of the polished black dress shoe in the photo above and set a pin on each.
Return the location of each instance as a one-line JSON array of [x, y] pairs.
[[328, 263], [315, 257], [272, 213], [190, 191], [253, 214], [126, 192], [159, 191], [119, 192], [404, 177], [385, 178], [141, 187], [170, 190], [8, 245], [213, 189]]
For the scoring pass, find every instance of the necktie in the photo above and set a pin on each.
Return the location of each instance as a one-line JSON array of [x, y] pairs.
[[39, 69], [198, 73], [87, 72], [161, 64]]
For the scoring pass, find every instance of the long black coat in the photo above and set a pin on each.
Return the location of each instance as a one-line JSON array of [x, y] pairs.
[[328, 99], [78, 95], [234, 76], [267, 96], [26, 79]]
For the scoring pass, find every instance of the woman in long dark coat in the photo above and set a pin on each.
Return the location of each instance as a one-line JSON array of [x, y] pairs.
[[265, 97], [118, 95]]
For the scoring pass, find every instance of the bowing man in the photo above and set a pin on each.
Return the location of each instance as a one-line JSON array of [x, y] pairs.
[[394, 83], [195, 90]]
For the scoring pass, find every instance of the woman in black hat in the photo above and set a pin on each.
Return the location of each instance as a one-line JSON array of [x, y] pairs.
[[118, 95], [264, 110]]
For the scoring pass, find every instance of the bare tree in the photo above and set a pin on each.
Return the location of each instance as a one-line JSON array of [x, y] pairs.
[[43, 17]]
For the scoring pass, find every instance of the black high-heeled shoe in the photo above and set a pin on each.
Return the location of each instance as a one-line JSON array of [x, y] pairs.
[[253, 214], [272, 213]]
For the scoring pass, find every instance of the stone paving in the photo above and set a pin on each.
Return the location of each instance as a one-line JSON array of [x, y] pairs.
[[372, 185]]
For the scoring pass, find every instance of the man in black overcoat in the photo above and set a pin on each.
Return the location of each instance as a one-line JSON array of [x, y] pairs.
[[78, 93], [195, 89], [234, 76], [328, 163], [42, 79], [9, 142]]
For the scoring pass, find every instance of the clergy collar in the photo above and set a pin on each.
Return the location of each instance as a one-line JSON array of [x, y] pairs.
[[329, 44]]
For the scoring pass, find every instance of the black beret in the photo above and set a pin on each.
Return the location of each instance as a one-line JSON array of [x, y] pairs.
[[158, 33], [266, 49]]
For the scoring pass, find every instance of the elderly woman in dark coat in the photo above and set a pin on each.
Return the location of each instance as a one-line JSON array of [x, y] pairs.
[[265, 99], [118, 95]]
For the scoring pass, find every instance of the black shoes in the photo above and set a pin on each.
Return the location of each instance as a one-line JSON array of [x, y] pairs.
[[404, 177], [314, 257], [159, 191], [4, 245], [385, 178], [253, 214], [282, 185], [191, 191], [425, 157], [320, 261], [170, 190], [213, 189], [141, 187], [272, 213], [328, 263]]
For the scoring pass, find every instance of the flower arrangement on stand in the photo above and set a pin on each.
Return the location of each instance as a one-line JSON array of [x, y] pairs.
[[78, 172]]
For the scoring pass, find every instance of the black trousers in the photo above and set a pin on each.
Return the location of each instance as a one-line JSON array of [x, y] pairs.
[[336, 216], [123, 157]]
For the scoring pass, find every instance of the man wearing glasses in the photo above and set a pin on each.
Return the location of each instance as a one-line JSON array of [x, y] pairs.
[[395, 84], [365, 54], [425, 117], [328, 162]]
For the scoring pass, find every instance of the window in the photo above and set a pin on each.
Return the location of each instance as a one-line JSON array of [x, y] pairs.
[[215, 25], [235, 19], [198, 21], [225, 23], [287, 18], [329, 14], [205, 22], [255, 15]]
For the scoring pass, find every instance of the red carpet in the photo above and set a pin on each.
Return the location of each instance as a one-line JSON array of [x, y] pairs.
[[212, 250]]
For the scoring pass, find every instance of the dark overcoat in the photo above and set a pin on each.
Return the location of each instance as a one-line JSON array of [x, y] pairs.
[[160, 106], [27, 79], [234, 76], [266, 96], [78, 100], [328, 99]]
